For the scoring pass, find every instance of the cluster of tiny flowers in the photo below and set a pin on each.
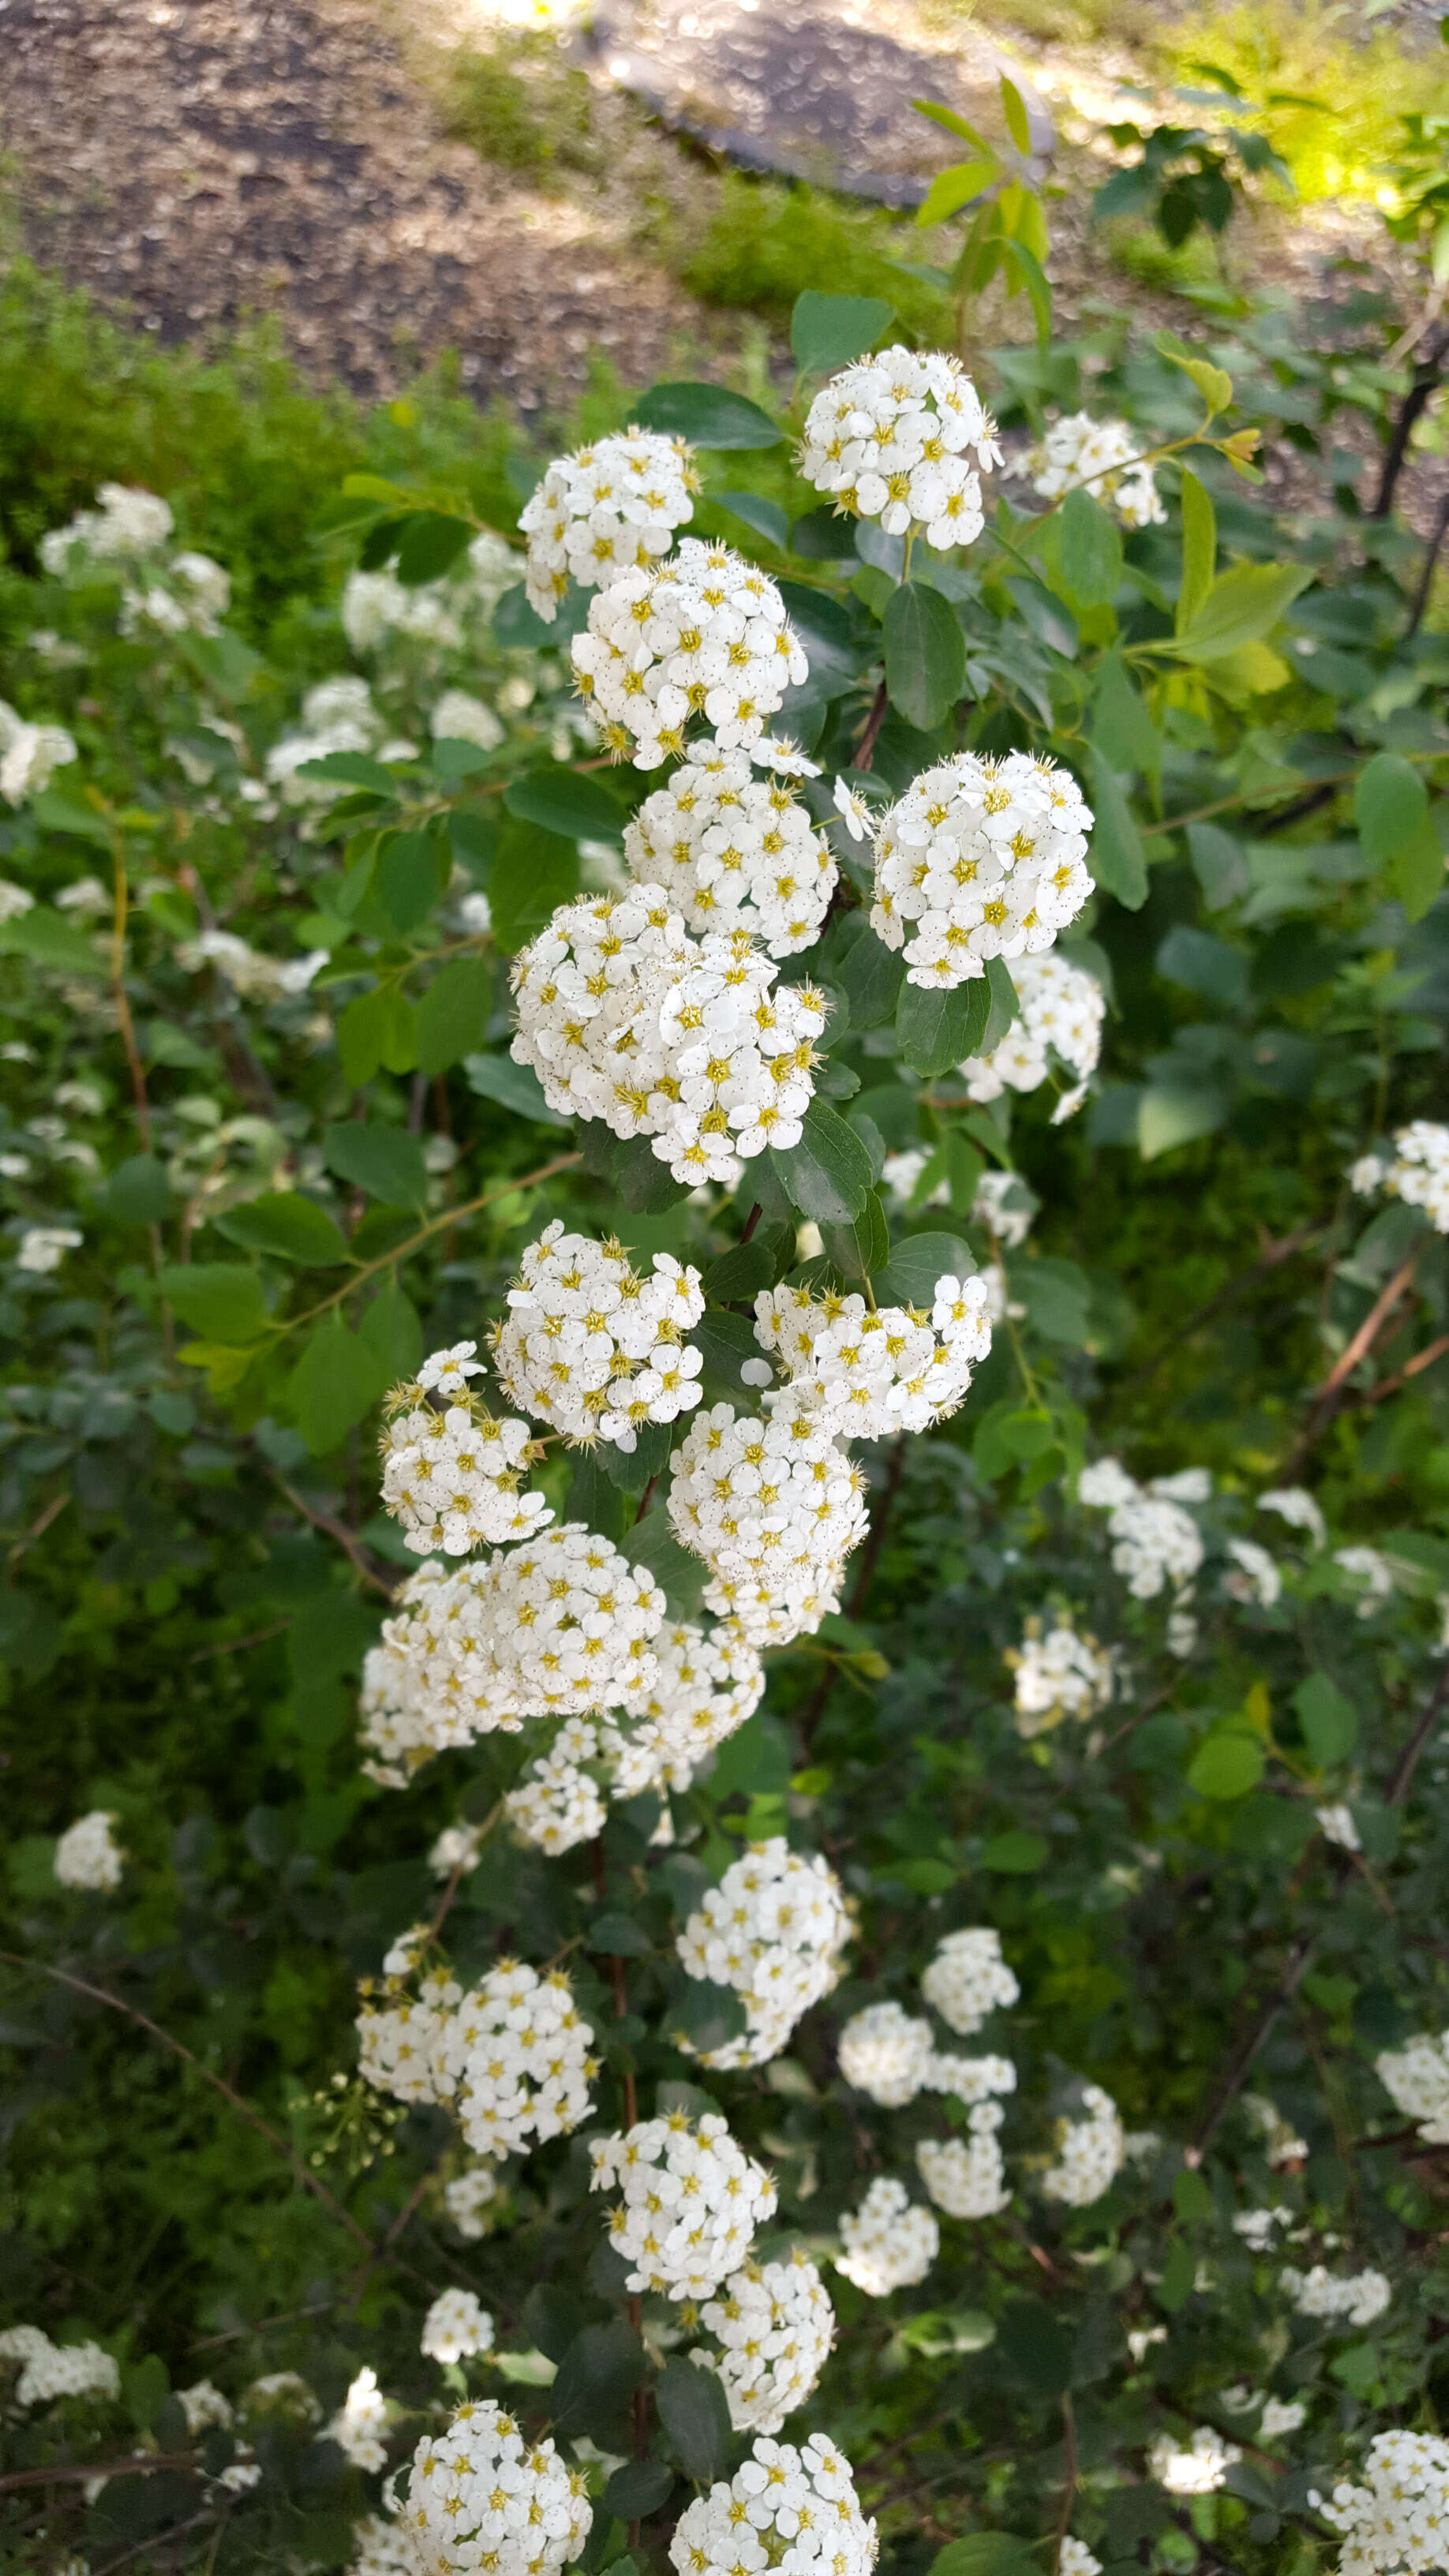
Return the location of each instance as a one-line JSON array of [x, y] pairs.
[[1397, 2522], [456, 2326], [979, 859], [865, 1372], [884, 2052], [787, 2509], [707, 1683], [1154, 1541], [1417, 2080], [1059, 1675], [381, 2548], [1198, 2468], [202, 2405], [1074, 2558], [902, 437], [552, 1628], [704, 634], [890, 2241], [454, 1479], [512, 2058], [603, 510], [484, 2501], [690, 2201], [1090, 2152], [967, 2176], [1060, 1010], [1416, 1171], [592, 1347], [1281, 2142], [1102, 456], [30, 754], [395, 1730], [87, 1855], [1355, 2297], [187, 594], [129, 523], [1295, 1505], [1252, 1574], [734, 852], [1336, 1824], [774, 2325], [466, 2197], [49, 2370], [558, 1804], [360, 2423], [968, 1978], [774, 1930], [1255, 2226], [626, 1019], [774, 1504]]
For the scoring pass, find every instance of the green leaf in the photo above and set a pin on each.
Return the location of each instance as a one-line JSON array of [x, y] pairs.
[[917, 1261], [708, 416], [695, 2414], [1242, 606], [1017, 254], [1089, 551], [392, 1332], [221, 1299], [1219, 863], [1391, 809], [513, 1086], [740, 1273], [870, 976], [1016, 1854], [640, 2487], [565, 802], [384, 1161], [596, 2378], [430, 545], [377, 1028], [1168, 1116], [827, 331], [1202, 964], [1213, 383], [1116, 856], [857, 1250], [1328, 1720], [336, 1380], [766, 517], [681, 1577], [48, 939], [350, 769], [1122, 730], [985, 2553], [1017, 124], [937, 1030], [1004, 1010], [1057, 1297], [138, 1191], [829, 1172], [408, 878], [533, 872], [952, 189], [54, 811], [1227, 1765], [453, 1015], [289, 1225], [1199, 548], [925, 655]]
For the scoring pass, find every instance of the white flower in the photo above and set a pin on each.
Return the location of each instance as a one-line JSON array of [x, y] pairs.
[[376, 605], [1195, 2469], [854, 811], [1255, 1576], [203, 2405], [605, 509], [689, 2202], [775, 1930], [786, 2509], [454, 1479], [595, 1348], [1060, 1013], [129, 522], [188, 595], [1255, 2226], [1281, 2142], [1005, 1206], [556, 1804], [774, 1507], [967, 2176], [252, 974], [44, 1247], [1074, 2558], [15, 901], [467, 2196], [1395, 2524], [865, 1372], [1417, 1171], [1417, 2079], [1336, 1824], [707, 1683], [456, 2326], [703, 635], [29, 754], [483, 2501], [1090, 2152], [457, 1847], [457, 717], [775, 2325], [893, 438], [381, 2548], [50, 2370], [86, 1854], [1355, 2297], [1155, 1541], [890, 2241], [512, 2057], [284, 2393], [1281, 2416], [84, 894], [1098, 456], [1059, 1675], [979, 859], [734, 852], [884, 2052], [968, 1978], [1370, 1567], [1295, 1505]]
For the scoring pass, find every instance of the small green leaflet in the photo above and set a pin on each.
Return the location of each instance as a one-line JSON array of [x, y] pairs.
[[937, 1030], [925, 655], [708, 416], [1391, 809], [827, 331]]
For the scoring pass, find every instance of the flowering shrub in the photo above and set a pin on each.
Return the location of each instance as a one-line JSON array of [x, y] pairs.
[[741, 1742]]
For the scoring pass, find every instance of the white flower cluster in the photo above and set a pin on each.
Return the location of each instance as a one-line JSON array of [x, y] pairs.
[[249, 971], [979, 859], [1299, 1508], [704, 634], [774, 2324], [1417, 1171], [1154, 1540], [1255, 2226], [1336, 1824], [734, 852], [49, 2370], [902, 437], [381, 2548], [865, 1372], [690, 2201], [482, 2501], [1059, 1675], [1355, 2297], [337, 715], [511, 2058], [786, 2509], [1417, 2079], [466, 2197], [1090, 2152], [30, 754], [1281, 2142], [87, 1854], [187, 594], [360, 2424], [1060, 1011], [1395, 2523], [968, 1978], [967, 2176], [775, 1931], [432, 615], [890, 2241], [708, 1682], [625, 1019], [1252, 1574], [774, 1507], [1371, 1568], [884, 2052], [202, 2405], [1074, 2558], [129, 523], [555, 1627], [1196, 2468], [454, 1478], [456, 2326], [557, 1803], [594, 1348], [603, 510], [1104, 457]]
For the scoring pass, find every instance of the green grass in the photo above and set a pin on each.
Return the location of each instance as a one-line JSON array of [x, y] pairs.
[[764, 241], [519, 105]]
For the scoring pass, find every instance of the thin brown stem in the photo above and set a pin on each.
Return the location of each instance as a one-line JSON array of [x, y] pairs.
[[124, 1020], [1283, 1993], [238, 1645], [1069, 2475], [38, 1527], [1271, 1258], [332, 1528], [1425, 583], [865, 748], [751, 1221], [1391, 1385], [450, 1216], [61, 2473], [1408, 1761], [646, 1498], [1329, 1396]]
